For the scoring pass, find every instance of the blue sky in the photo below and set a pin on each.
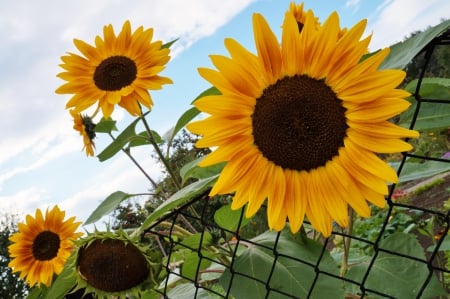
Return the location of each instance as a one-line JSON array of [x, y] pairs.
[[41, 162]]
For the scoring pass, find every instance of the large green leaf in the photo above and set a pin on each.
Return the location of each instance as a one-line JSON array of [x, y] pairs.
[[229, 219], [192, 170], [193, 265], [64, 283], [402, 53], [291, 276], [394, 275], [37, 292], [189, 290], [179, 198], [188, 115], [413, 171], [431, 115], [107, 206], [196, 241]]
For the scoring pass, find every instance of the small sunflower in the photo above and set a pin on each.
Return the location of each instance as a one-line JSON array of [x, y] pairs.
[[300, 123], [112, 264], [117, 70], [43, 245], [299, 14], [86, 127]]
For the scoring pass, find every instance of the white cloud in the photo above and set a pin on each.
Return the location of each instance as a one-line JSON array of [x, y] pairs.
[[45, 150], [24, 201], [396, 19], [353, 3], [36, 128], [120, 175]]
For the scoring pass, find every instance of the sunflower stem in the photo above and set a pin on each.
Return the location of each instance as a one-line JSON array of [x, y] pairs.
[[172, 175], [127, 152], [160, 154], [347, 241]]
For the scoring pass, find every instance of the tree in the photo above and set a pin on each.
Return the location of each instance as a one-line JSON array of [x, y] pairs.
[[11, 286]]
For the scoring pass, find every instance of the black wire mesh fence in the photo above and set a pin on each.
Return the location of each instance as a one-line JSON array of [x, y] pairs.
[[402, 251]]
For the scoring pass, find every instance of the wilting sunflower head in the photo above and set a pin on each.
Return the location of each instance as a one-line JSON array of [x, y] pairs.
[[300, 123], [117, 70], [86, 127], [42, 246], [112, 264]]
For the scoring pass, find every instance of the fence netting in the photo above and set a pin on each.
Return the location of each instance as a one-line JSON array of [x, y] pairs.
[[261, 263]]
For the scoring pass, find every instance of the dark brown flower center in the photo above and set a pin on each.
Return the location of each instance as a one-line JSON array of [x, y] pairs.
[[46, 246], [112, 265], [115, 72], [89, 126], [299, 123]]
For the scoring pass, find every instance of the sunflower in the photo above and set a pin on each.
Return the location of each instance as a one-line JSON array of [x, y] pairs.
[[86, 127], [299, 14], [300, 123], [117, 70], [42, 245], [112, 264]]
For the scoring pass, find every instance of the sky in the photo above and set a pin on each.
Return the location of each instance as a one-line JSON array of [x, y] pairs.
[[41, 157]]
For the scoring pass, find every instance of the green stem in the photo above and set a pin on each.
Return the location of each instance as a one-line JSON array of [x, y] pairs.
[[347, 241], [160, 154], [137, 164], [166, 164]]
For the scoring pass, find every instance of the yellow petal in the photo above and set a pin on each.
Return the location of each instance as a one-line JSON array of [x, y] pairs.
[[268, 48]]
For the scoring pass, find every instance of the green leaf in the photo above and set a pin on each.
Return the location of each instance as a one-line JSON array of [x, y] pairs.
[[107, 206], [62, 285], [106, 126], [140, 139], [445, 246], [404, 275], [413, 171], [193, 265], [119, 143], [185, 118], [429, 92], [192, 170], [289, 276], [143, 139], [35, 293], [431, 115], [193, 242], [229, 219], [169, 44], [189, 290], [150, 294], [403, 52], [188, 115], [179, 198]]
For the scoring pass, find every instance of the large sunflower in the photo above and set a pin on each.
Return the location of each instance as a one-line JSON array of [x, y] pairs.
[[117, 70], [86, 127], [43, 245], [300, 123]]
